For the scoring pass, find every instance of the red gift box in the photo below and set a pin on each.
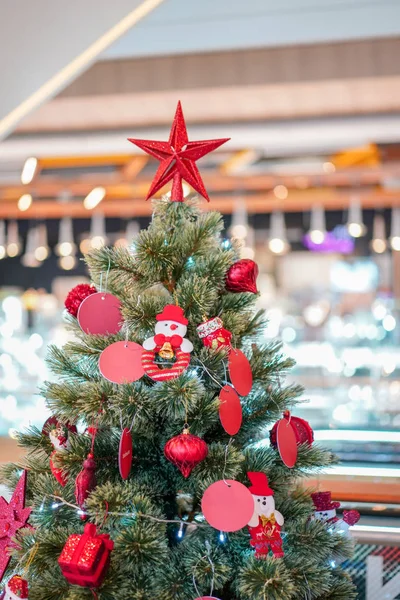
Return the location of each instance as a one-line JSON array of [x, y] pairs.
[[85, 557]]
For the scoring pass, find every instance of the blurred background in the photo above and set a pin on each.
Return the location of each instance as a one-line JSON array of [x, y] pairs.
[[310, 183]]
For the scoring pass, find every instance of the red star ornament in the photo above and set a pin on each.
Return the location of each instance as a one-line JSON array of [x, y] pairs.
[[13, 516], [178, 159]]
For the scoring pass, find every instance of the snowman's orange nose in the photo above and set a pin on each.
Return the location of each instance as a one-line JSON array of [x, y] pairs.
[[173, 327]]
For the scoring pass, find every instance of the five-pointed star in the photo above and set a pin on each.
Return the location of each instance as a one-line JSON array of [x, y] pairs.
[[13, 516], [177, 158]]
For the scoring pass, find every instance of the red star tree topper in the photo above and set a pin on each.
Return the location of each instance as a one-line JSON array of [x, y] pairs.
[[178, 159], [13, 516]]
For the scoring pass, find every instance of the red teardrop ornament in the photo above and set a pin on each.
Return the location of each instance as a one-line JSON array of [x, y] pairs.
[[230, 410], [185, 451], [287, 443], [241, 276], [240, 372], [85, 481]]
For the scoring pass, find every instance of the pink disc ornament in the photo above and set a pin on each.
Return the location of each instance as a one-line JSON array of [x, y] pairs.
[[287, 443], [227, 505], [240, 372], [207, 598], [230, 410], [125, 454], [121, 362], [100, 314]]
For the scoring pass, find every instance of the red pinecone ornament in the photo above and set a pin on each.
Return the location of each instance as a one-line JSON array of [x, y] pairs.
[[85, 481], [241, 276], [185, 451], [76, 296], [302, 430]]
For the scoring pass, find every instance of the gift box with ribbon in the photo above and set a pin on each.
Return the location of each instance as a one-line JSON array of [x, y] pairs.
[[85, 557]]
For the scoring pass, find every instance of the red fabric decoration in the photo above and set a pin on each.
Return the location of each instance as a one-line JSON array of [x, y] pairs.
[[241, 276], [213, 334], [13, 516], [302, 430], [85, 558], [157, 372], [76, 296], [58, 473], [185, 451], [178, 158], [172, 312], [174, 340], [16, 588], [85, 481]]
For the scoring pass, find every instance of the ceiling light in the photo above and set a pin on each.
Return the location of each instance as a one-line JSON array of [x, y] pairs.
[[94, 197], [42, 250], [278, 243], [85, 246], [317, 231], [2, 239], [29, 170], [328, 167], [67, 262], [24, 202], [378, 242], [395, 229], [355, 225], [98, 236], [13, 241], [66, 245], [281, 192], [32, 239]]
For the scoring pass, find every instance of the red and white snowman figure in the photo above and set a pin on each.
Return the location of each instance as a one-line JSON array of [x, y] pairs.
[[170, 333], [325, 511], [266, 522], [16, 589]]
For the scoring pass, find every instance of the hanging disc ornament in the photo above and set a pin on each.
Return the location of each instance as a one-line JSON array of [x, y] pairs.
[[240, 372], [241, 276], [287, 443], [121, 362], [227, 505], [125, 454], [100, 314], [207, 598], [185, 451], [230, 410], [302, 430]]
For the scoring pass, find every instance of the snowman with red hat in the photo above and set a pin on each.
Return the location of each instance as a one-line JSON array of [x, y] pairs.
[[16, 589], [266, 522], [325, 511], [170, 333]]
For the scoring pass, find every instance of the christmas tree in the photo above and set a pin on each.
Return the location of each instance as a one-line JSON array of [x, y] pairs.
[[169, 356]]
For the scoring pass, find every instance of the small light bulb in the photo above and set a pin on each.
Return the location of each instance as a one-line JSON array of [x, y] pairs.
[[281, 192], [65, 248], [395, 243], [278, 246], [12, 249], [94, 197], [67, 262], [356, 230], [317, 236], [221, 537], [2, 252], [97, 242], [379, 246], [41, 253], [29, 170], [24, 202]]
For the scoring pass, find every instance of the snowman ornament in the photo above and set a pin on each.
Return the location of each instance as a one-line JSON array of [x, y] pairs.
[[325, 511], [16, 589], [169, 343], [266, 522]]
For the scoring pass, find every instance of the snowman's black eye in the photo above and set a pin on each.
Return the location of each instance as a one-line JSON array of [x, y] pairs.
[[258, 500], [165, 324], [265, 498]]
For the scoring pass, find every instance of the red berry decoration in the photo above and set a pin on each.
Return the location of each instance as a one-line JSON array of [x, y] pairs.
[[185, 451], [241, 276], [76, 296], [302, 430]]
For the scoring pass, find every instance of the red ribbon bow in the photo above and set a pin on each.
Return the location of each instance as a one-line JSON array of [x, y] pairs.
[[174, 340]]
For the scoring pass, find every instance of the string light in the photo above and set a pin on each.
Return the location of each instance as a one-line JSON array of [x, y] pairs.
[[181, 531], [29, 170], [222, 537]]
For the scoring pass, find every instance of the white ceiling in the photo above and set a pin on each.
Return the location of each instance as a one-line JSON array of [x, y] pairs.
[[179, 26]]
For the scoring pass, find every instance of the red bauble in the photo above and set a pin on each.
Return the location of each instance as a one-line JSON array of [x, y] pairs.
[[76, 297], [241, 276], [85, 481], [85, 558], [16, 589], [302, 430], [185, 451]]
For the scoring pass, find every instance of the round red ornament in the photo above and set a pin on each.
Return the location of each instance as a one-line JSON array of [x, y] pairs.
[[125, 454], [100, 314], [230, 410], [241, 276], [185, 451], [302, 430], [227, 505], [287, 443], [240, 372], [121, 362], [76, 296]]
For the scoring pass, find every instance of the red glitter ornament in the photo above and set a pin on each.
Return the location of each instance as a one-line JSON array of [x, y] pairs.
[[85, 481], [13, 516], [185, 451], [76, 297], [213, 334], [302, 430], [241, 276], [85, 558], [178, 158], [16, 588]]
